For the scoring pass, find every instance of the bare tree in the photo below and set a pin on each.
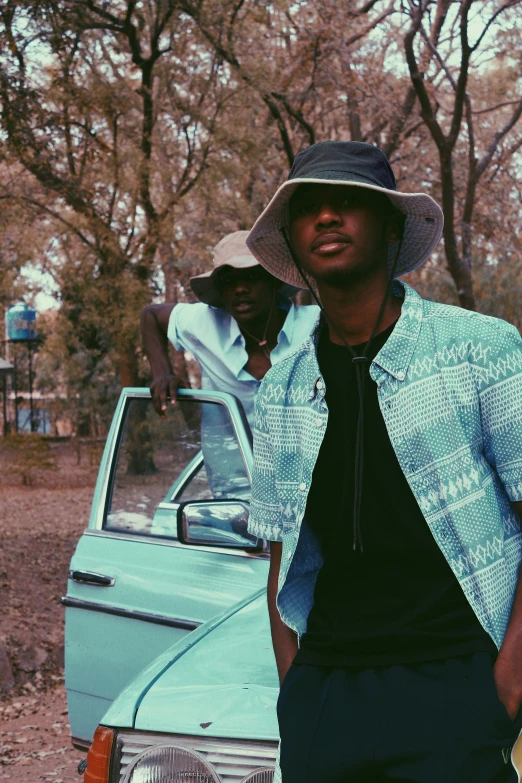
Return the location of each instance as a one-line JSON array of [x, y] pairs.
[[459, 260], [289, 90]]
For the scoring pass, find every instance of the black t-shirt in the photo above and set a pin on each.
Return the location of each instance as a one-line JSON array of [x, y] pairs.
[[397, 601]]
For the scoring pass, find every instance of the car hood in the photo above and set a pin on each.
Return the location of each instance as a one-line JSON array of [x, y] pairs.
[[226, 684]]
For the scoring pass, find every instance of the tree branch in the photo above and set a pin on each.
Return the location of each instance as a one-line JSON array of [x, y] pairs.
[[505, 7], [232, 22], [439, 59], [54, 215], [193, 10], [367, 7], [357, 36], [427, 112], [297, 115], [494, 108], [460, 92], [497, 138]]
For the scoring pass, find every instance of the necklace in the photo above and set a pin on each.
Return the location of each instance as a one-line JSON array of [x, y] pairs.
[[262, 343]]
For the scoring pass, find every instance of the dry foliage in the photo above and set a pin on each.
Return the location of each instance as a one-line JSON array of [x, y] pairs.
[[136, 134]]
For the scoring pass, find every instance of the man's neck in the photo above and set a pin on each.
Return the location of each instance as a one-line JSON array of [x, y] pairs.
[[257, 329], [353, 310]]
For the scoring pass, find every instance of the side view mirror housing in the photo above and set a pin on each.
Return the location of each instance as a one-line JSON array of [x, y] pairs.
[[216, 523]]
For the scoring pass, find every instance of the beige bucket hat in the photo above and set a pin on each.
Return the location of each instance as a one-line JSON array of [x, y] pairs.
[[346, 163], [231, 251]]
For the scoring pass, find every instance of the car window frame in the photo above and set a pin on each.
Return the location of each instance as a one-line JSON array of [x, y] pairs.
[[102, 496]]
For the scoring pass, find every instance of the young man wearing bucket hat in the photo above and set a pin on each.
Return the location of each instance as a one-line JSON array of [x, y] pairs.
[[243, 323], [388, 475]]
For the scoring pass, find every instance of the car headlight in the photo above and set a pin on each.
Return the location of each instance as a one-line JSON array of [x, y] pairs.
[[260, 776], [169, 764], [146, 757]]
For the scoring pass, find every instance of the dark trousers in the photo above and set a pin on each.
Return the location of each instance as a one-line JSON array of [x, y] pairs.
[[436, 722]]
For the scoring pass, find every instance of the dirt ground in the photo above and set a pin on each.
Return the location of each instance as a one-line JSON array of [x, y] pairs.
[[39, 528], [34, 738]]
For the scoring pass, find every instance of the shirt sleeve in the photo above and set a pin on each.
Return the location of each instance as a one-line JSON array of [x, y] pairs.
[[175, 330], [265, 511], [500, 395]]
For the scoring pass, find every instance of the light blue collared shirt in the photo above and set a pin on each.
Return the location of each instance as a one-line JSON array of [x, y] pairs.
[[214, 338]]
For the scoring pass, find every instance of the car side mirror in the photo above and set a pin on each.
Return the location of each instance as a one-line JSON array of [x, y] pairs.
[[216, 523]]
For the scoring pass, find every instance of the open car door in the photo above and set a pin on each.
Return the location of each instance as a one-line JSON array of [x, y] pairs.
[[134, 589]]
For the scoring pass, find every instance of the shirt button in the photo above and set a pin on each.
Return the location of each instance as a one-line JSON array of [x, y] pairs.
[[400, 375], [320, 384], [319, 422], [302, 486], [311, 395]]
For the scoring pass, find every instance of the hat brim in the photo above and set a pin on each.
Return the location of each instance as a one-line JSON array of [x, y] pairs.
[[422, 228], [206, 290]]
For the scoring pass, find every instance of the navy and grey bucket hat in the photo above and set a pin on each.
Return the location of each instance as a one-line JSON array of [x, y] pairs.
[[346, 163]]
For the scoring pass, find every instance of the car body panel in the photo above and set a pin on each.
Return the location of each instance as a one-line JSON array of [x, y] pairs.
[[97, 641], [226, 685], [123, 711]]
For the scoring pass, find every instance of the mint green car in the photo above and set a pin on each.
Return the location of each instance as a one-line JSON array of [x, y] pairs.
[[169, 666]]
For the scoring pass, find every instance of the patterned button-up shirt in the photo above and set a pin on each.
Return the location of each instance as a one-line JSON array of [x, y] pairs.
[[449, 385]]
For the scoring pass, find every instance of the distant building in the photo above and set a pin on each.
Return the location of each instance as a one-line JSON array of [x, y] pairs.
[[47, 411], [5, 368]]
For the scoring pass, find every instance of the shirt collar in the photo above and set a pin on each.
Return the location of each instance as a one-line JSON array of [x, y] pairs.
[[232, 335], [395, 355], [287, 330]]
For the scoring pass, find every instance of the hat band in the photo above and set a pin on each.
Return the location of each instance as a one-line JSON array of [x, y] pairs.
[[341, 175]]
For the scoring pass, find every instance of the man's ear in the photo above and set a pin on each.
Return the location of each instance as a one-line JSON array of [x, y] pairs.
[[395, 227]]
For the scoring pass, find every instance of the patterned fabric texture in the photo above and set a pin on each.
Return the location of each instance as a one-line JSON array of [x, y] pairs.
[[449, 384]]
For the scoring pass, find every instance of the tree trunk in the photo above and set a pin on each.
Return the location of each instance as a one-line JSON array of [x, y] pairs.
[[128, 367], [171, 276]]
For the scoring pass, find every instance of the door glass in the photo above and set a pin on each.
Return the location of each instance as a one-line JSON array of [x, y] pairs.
[[192, 454]]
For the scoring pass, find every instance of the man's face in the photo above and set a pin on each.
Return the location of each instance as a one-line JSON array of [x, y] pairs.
[[341, 233], [247, 293]]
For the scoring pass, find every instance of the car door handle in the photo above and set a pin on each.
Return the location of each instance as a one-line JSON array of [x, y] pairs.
[[90, 578]]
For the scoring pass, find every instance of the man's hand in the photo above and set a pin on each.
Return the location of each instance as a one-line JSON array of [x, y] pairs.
[[163, 388], [508, 679]]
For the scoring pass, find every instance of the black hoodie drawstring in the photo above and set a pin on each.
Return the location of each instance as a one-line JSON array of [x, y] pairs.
[[360, 364]]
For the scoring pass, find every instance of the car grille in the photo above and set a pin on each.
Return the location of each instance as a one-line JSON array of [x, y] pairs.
[[233, 760]]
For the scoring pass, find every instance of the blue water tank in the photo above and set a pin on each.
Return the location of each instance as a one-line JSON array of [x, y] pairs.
[[21, 322]]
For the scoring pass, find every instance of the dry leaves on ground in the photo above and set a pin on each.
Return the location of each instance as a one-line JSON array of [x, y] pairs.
[[34, 739]]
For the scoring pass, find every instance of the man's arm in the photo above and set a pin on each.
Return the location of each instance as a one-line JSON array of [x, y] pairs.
[[508, 666], [154, 324], [265, 522], [284, 639]]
